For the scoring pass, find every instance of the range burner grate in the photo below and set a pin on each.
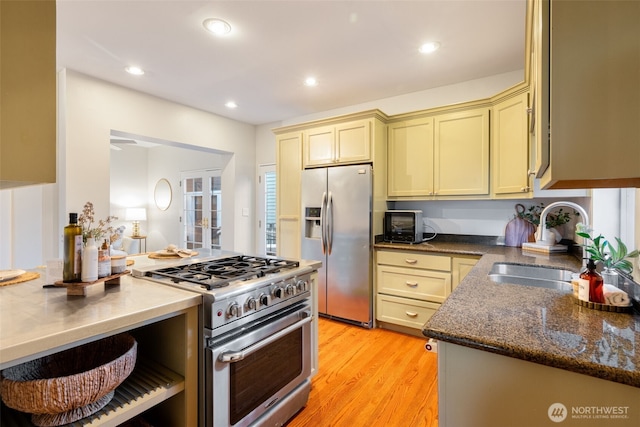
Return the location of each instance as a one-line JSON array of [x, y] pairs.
[[219, 273]]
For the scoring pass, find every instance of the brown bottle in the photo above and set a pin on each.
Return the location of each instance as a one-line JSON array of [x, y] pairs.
[[72, 250], [595, 282]]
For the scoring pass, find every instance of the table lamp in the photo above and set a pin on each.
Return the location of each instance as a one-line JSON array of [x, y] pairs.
[[136, 215]]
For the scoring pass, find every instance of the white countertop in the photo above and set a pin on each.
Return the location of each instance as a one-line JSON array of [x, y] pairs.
[[36, 321]]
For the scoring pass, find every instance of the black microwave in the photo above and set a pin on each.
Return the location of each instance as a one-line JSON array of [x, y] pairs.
[[403, 226]]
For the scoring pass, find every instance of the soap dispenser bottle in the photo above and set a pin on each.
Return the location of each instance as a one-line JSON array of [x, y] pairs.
[[595, 283]]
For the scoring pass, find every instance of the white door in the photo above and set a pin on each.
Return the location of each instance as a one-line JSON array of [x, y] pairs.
[[202, 209], [266, 210]]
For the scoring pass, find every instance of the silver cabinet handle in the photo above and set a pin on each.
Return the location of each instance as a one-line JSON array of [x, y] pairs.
[[411, 313], [411, 261], [412, 284], [235, 356]]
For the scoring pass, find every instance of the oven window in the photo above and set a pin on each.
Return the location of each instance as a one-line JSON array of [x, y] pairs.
[[261, 374]]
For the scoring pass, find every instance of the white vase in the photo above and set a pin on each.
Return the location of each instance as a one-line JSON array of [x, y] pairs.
[[90, 261], [553, 236]]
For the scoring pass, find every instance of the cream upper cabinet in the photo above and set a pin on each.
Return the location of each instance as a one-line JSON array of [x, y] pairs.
[[592, 93], [288, 187], [342, 143], [410, 158], [28, 87], [510, 149], [461, 153], [441, 155]]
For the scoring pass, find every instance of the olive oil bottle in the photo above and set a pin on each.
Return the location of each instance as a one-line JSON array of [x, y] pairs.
[[71, 269]]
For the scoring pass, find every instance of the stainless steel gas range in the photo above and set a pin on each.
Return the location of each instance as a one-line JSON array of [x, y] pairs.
[[256, 336]]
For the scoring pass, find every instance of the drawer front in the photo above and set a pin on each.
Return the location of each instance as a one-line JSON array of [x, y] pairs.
[[403, 311], [425, 285], [414, 259]]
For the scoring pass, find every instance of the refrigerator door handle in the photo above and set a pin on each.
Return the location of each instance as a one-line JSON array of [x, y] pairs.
[[323, 223], [329, 227]]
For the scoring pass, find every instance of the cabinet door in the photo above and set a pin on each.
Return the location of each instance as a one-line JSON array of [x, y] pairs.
[[410, 158], [510, 146], [288, 178], [353, 142], [594, 91], [415, 283], [319, 147], [460, 267], [461, 153], [404, 311], [28, 87]]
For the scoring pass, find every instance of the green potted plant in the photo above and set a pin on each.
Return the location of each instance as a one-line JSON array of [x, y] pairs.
[[611, 257], [554, 219]]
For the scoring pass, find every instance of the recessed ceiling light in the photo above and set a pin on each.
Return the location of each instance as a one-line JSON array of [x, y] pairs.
[[136, 71], [429, 47], [231, 105], [310, 81], [217, 26]]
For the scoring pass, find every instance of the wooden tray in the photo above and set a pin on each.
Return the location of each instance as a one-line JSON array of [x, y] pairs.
[[603, 307], [80, 288]]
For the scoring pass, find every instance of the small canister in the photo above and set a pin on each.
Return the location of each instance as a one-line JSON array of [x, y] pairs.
[[575, 282], [118, 264]]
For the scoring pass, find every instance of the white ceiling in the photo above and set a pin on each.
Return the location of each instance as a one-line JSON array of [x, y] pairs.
[[358, 50]]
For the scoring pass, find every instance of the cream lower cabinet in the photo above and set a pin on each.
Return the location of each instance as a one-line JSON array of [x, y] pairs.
[[288, 182], [342, 143], [439, 156], [460, 267], [410, 287]]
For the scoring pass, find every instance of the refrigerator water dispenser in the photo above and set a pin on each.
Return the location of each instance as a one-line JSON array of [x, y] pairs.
[[312, 227]]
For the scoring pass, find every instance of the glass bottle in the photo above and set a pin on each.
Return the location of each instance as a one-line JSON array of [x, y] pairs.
[[104, 260], [71, 269], [595, 282]]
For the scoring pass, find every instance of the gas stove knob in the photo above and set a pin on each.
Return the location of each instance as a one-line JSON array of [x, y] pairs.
[[251, 303], [290, 290], [264, 299], [302, 285], [234, 310], [278, 292]]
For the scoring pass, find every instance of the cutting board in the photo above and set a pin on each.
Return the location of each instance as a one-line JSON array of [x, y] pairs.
[[519, 230]]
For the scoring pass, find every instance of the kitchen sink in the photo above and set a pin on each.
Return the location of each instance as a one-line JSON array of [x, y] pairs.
[[532, 275]]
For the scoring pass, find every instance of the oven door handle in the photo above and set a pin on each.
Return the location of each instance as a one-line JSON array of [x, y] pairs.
[[235, 356]]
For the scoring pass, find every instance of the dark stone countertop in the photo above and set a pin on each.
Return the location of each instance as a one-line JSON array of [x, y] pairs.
[[539, 325]]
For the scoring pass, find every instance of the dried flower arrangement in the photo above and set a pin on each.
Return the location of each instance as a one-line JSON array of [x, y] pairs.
[[103, 230]]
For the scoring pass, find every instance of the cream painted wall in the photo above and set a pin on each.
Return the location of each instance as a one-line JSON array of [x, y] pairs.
[[92, 108]]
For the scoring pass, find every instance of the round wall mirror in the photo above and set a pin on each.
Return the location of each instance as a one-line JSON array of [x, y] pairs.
[[162, 194]]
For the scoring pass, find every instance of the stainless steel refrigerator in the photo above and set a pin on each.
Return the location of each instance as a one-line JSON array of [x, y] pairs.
[[336, 207]]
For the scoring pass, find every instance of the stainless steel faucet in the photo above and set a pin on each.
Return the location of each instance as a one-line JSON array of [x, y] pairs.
[[575, 206]]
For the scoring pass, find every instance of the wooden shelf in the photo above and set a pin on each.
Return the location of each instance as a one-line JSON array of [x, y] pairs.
[[148, 385]]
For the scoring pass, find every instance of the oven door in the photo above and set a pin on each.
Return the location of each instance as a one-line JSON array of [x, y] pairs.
[[251, 370]]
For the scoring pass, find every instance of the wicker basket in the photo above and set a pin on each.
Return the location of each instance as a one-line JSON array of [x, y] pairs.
[[71, 379]]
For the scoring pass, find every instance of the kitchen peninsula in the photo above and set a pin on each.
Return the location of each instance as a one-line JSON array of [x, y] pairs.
[[519, 355], [37, 321]]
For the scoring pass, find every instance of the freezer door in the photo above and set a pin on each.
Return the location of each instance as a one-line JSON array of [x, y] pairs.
[[349, 281], [314, 186]]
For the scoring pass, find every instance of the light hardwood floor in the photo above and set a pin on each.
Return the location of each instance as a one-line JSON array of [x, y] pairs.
[[371, 378]]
